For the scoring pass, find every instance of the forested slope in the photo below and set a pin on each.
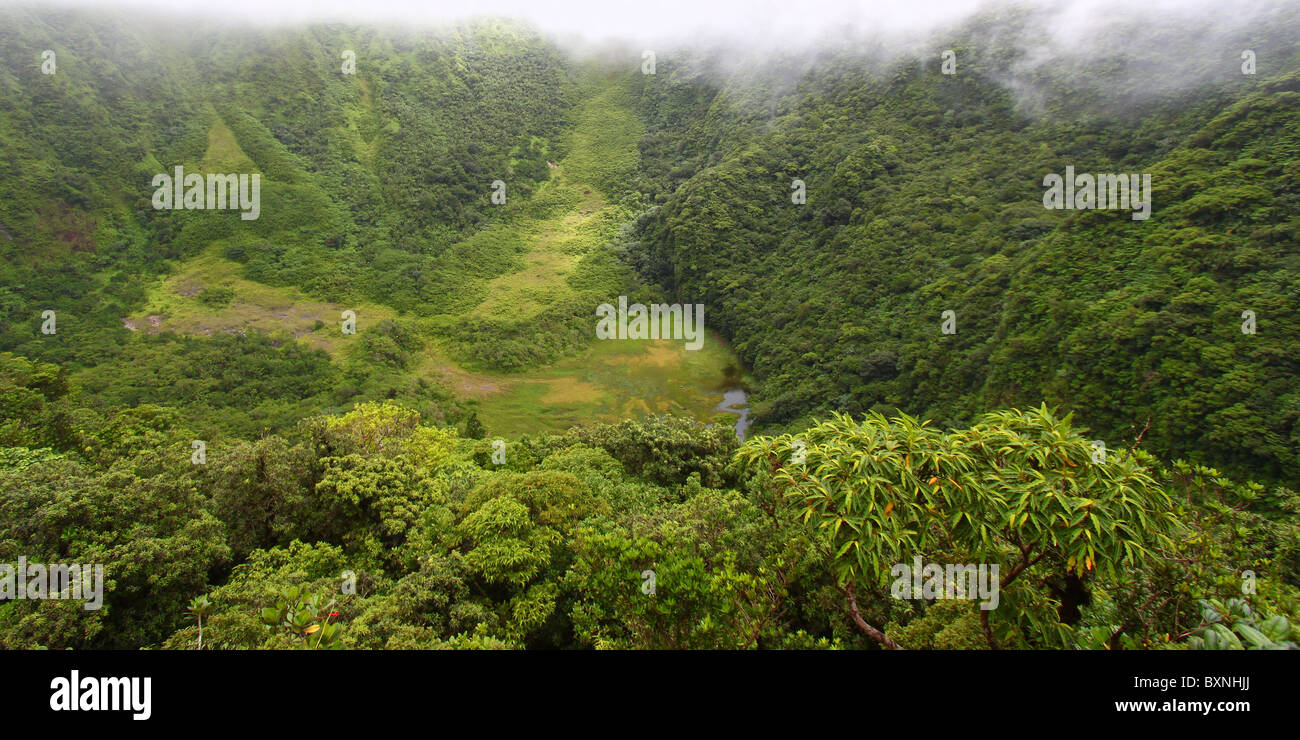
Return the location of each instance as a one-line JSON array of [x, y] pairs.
[[253, 477], [925, 195], [369, 180]]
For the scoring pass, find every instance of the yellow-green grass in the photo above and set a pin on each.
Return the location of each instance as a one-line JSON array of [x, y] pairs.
[[173, 304], [223, 154], [566, 219], [556, 246], [612, 380], [362, 115], [602, 147]]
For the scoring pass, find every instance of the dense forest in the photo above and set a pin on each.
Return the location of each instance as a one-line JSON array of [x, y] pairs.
[[942, 370]]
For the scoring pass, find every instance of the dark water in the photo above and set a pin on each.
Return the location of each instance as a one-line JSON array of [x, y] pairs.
[[735, 401]]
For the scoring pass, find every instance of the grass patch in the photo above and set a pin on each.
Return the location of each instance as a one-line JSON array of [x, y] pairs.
[[556, 246], [223, 154], [611, 381], [206, 295]]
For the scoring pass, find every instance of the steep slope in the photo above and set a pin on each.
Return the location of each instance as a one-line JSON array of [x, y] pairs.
[[924, 195], [367, 179], [526, 351]]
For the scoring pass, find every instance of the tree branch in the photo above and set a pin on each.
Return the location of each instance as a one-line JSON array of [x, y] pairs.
[[1011, 575], [988, 631], [870, 631]]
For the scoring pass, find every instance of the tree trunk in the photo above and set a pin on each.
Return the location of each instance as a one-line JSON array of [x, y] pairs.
[[870, 631]]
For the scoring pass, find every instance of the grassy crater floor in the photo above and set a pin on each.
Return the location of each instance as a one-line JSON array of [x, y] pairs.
[[560, 235]]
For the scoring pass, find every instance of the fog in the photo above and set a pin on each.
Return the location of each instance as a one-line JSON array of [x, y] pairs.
[[1156, 46], [748, 23], [777, 22]]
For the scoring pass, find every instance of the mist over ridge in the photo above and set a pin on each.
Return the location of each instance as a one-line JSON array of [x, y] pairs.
[[1160, 48]]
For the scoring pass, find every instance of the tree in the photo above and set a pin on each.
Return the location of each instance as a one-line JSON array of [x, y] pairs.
[[474, 428], [1018, 489]]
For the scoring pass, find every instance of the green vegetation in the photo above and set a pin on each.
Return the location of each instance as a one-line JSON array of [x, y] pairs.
[[371, 530], [471, 469], [924, 195]]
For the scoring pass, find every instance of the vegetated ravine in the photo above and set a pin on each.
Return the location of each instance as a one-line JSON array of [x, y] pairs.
[[394, 369]]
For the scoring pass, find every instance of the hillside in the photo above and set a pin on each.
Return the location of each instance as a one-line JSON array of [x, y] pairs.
[[376, 199], [924, 195], [380, 415]]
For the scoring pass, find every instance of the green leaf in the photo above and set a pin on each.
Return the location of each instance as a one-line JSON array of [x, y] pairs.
[[1228, 637], [1254, 636], [1276, 628]]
